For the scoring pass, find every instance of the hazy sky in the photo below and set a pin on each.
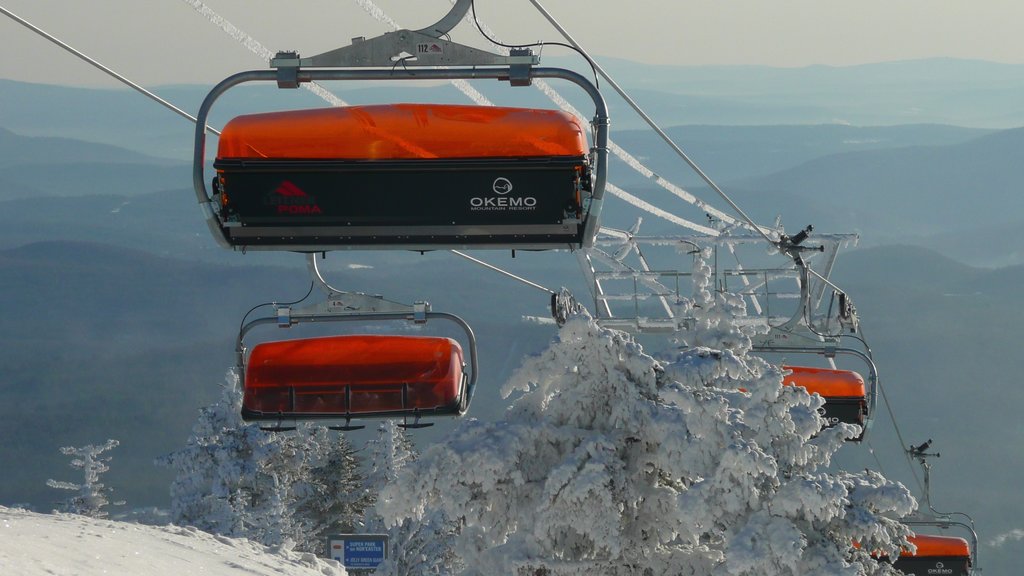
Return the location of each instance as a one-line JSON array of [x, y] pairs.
[[158, 42]]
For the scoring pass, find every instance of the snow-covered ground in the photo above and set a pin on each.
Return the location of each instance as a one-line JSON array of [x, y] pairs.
[[64, 545]]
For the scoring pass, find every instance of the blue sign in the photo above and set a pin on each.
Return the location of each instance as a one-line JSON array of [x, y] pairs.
[[359, 550]]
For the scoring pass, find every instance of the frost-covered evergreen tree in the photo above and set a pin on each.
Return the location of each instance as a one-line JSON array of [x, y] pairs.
[[610, 462], [331, 498], [388, 453], [277, 488], [421, 546], [92, 495]]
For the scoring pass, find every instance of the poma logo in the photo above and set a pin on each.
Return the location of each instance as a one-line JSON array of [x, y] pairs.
[[290, 199]]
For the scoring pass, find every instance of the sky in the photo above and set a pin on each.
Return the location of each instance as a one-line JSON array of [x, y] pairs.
[[168, 42], [43, 544]]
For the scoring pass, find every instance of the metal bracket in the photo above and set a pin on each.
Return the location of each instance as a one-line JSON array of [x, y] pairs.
[[424, 47], [342, 302], [404, 48]]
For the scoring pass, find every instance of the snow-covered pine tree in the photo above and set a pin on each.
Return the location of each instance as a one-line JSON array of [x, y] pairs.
[[388, 453], [610, 462], [218, 472], [331, 498], [93, 496], [422, 546], [276, 488]]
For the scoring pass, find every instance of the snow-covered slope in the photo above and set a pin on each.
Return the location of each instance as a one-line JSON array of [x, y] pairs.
[[47, 544]]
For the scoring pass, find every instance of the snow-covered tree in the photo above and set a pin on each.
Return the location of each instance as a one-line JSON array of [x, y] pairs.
[[330, 497], [277, 488], [388, 453], [421, 546], [611, 462], [92, 495]]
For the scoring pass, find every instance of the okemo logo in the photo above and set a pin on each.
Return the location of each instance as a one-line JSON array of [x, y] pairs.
[[502, 202], [290, 199], [940, 568], [501, 185]]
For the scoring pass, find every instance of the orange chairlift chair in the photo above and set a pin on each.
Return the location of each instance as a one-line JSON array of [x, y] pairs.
[[405, 176], [945, 555], [346, 377], [843, 391]]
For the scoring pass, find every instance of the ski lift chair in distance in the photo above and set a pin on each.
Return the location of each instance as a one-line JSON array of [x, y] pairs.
[[843, 391], [346, 377], [946, 555], [958, 556], [405, 176], [355, 376]]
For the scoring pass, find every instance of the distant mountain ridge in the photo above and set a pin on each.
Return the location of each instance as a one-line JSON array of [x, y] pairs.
[[732, 153], [910, 92], [913, 192], [934, 91], [36, 165], [16, 149]]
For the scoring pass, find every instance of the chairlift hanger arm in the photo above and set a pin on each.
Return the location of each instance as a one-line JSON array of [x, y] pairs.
[[344, 302], [405, 48], [424, 47], [450, 20]]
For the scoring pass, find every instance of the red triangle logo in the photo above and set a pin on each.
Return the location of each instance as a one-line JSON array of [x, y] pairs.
[[289, 189]]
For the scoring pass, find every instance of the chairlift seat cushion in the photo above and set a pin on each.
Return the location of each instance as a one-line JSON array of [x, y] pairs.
[[946, 555], [403, 131], [350, 376]]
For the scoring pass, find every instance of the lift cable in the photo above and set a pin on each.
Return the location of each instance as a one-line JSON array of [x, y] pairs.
[[105, 69], [378, 13], [500, 271], [191, 118], [630, 160], [707, 179], [654, 125], [899, 434], [258, 49]]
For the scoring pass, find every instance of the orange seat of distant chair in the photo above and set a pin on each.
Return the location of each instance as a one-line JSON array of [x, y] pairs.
[[351, 375], [826, 382], [843, 391], [403, 131], [928, 545], [945, 555], [948, 555]]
